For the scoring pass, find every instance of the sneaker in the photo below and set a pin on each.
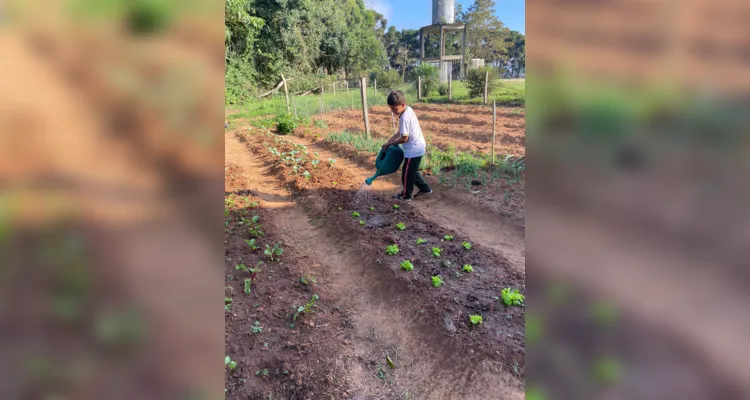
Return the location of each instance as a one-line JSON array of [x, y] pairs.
[[421, 193], [401, 197]]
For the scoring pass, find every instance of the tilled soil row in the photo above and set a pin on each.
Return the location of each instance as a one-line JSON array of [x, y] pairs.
[[330, 195]]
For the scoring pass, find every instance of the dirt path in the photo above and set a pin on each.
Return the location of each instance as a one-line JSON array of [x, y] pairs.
[[427, 365], [445, 209]]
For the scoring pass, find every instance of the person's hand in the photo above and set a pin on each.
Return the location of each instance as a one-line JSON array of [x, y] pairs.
[[386, 146]]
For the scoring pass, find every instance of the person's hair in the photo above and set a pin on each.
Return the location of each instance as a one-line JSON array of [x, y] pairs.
[[396, 98]]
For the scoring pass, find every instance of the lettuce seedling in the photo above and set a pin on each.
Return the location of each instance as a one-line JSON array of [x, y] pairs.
[[355, 214], [274, 252], [400, 226], [248, 282], [475, 319], [252, 244], [229, 363], [407, 265], [396, 206], [467, 245], [437, 251], [362, 222], [391, 249], [421, 241], [512, 297], [448, 238], [306, 308], [468, 268], [437, 281]]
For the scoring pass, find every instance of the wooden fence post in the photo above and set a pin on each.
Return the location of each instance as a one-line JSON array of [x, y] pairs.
[[450, 87], [363, 86], [286, 92], [494, 118], [486, 81], [333, 85], [419, 88], [375, 88]]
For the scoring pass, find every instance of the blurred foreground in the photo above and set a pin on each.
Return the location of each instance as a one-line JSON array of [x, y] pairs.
[[110, 163], [637, 212]]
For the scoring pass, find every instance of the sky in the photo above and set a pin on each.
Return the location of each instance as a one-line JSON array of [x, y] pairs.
[[414, 14]]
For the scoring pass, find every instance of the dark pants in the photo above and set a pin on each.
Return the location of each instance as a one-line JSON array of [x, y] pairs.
[[411, 176]]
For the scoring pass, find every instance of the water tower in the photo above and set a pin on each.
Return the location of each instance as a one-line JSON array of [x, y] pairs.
[[444, 20]]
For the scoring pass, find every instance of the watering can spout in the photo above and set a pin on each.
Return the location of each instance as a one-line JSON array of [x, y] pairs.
[[369, 180]]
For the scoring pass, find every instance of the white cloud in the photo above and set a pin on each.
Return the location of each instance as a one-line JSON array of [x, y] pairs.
[[381, 6]]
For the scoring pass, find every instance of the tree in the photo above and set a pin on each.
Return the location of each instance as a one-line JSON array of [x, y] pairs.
[[485, 33], [516, 44]]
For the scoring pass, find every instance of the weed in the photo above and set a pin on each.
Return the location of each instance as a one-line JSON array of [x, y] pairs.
[[257, 328], [448, 238], [468, 268], [475, 319], [512, 297], [355, 214], [407, 265], [437, 281], [437, 251], [306, 308], [421, 241], [467, 245], [391, 249], [274, 252], [400, 226], [248, 282], [251, 243], [229, 363]]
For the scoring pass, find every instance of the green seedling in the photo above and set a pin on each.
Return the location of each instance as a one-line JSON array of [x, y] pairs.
[[355, 214], [226, 212], [331, 161], [372, 208], [251, 243], [448, 238], [255, 232], [263, 372], [274, 252], [227, 303], [437, 281], [315, 163], [421, 241], [229, 363], [305, 280], [407, 265], [257, 328], [362, 222], [437, 251], [240, 267], [512, 297], [391, 249], [475, 319], [248, 282], [341, 208], [468, 268], [306, 308], [255, 219], [400, 226], [396, 206], [467, 245], [307, 175]]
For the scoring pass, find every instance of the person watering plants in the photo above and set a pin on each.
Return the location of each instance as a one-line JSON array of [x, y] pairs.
[[410, 137]]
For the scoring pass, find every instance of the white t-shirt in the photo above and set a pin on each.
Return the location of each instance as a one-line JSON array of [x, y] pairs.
[[408, 124]]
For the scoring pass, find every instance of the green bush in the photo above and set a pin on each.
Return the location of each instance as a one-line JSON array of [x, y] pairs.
[[285, 123], [149, 16], [388, 80], [475, 81], [430, 78], [443, 89], [238, 77]]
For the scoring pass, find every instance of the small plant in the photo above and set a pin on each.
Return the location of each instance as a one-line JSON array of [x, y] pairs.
[[257, 328], [468, 268], [362, 222], [391, 249], [227, 304], [320, 124], [240, 267], [467, 245], [355, 214], [274, 252], [400, 226], [305, 280], [437, 251], [331, 161], [255, 232], [315, 163], [262, 372], [306, 308], [307, 175], [251, 243], [407, 265], [475, 319], [421, 241], [396, 206], [448, 238], [372, 208], [437, 281], [285, 123], [229, 363], [247, 288], [512, 297]]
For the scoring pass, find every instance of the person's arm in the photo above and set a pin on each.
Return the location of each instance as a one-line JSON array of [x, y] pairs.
[[402, 136]]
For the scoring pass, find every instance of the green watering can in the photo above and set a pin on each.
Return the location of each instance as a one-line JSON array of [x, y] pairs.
[[388, 162]]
